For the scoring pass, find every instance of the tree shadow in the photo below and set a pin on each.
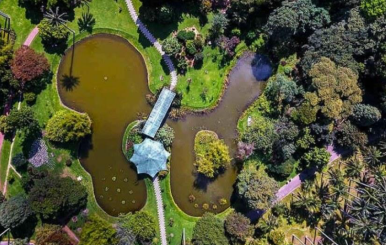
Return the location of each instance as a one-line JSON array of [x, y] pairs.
[[84, 148], [69, 82], [55, 46], [261, 67], [27, 229], [32, 12]]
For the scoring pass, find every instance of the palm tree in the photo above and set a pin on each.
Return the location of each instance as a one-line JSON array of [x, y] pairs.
[[55, 17], [373, 156], [365, 227], [355, 166], [268, 224]]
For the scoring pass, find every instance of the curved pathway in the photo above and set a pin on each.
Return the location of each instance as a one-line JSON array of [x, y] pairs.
[[27, 42], [160, 210], [154, 42]]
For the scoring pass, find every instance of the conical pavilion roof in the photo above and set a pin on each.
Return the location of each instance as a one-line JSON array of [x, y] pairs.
[[150, 157]]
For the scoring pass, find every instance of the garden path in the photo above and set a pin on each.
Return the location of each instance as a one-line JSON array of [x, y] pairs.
[[71, 234], [27, 42], [296, 182], [160, 210], [154, 42]]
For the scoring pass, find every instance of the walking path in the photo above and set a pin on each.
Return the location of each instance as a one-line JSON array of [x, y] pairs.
[[71, 234], [155, 43], [27, 42], [296, 182], [160, 210]]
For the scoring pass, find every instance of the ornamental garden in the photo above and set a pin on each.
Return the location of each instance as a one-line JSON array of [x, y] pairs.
[[271, 132]]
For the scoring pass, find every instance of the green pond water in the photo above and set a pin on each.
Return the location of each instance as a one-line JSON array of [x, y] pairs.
[[111, 88]]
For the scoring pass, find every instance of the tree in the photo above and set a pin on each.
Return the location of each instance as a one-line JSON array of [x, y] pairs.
[[219, 24], [54, 197], [23, 119], [66, 126], [166, 14], [171, 46], [316, 157], [238, 227], [28, 65], [373, 8], [336, 89], [98, 231], [212, 154], [256, 188], [340, 43], [348, 135], [281, 90], [52, 33], [141, 224], [366, 115], [209, 230], [51, 235], [294, 18], [15, 212]]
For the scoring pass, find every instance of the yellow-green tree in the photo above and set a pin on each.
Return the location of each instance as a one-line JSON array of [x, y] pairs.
[[212, 154], [335, 90]]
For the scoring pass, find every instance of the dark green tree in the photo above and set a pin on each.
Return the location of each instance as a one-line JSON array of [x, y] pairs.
[[209, 230], [15, 212]]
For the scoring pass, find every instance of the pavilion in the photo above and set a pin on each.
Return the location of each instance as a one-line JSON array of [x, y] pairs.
[[150, 157]]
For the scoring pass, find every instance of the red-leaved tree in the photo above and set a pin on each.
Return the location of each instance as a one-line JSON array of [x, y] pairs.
[[28, 65]]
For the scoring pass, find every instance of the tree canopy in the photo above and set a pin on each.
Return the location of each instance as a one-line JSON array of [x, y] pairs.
[[15, 212], [98, 231], [67, 126], [209, 230]]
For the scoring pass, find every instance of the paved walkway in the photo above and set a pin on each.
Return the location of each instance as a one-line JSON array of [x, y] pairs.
[[296, 182], [71, 234], [27, 42], [155, 43], [160, 210]]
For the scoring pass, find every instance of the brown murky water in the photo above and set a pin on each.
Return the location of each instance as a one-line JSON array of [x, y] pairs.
[[242, 90], [114, 102]]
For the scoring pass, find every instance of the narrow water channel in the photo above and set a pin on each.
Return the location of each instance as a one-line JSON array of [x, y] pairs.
[[111, 88], [243, 88]]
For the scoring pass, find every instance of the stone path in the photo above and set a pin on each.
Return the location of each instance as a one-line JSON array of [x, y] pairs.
[[160, 210], [27, 42], [156, 44]]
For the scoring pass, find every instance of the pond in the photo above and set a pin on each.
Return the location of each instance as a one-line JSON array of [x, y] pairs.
[[111, 87], [242, 90]]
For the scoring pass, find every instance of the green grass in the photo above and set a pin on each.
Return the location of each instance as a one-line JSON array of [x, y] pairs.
[[15, 187], [21, 21], [4, 161]]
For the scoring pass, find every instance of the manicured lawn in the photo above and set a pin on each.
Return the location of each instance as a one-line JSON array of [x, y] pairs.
[[4, 161], [15, 187], [22, 21]]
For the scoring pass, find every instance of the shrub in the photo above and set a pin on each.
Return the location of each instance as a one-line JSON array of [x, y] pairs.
[[166, 14], [205, 6], [190, 47], [199, 58], [373, 8], [50, 33], [348, 135], [165, 135], [182, 64], [223, 202], [23, 119], [236, 32], [185, 35], [68, 162], [277, 237], [29, 97], [98, 231], [284, 169], [66, 126], [171, 46], [365, 115], [199, 42]]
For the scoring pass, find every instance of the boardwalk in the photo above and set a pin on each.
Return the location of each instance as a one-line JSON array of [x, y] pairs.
[[160, 210], [155, 43]]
